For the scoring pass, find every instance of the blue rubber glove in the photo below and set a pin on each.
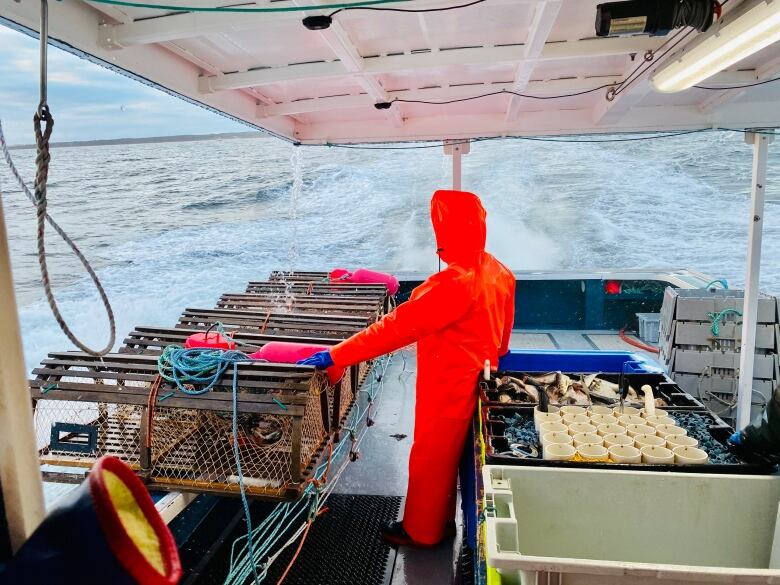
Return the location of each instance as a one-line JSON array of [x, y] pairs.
[[320, 360], [736, 438]]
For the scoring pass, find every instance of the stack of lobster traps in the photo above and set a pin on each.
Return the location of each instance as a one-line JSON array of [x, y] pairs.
[[87, 407]]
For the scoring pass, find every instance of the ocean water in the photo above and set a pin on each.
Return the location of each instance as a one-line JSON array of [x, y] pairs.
[[176, 224]]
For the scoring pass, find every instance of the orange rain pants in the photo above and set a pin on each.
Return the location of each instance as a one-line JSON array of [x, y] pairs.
[[459, 318]]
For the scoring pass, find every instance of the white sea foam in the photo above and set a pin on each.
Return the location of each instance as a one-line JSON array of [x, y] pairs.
[[175, 225]]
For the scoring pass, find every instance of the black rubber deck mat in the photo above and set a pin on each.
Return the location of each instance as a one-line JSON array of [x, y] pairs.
[[344, 546]]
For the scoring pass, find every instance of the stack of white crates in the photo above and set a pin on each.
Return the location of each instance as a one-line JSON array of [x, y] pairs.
[[707, 365]]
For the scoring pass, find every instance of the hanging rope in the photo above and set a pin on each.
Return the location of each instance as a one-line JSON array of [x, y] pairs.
[[43, 123]]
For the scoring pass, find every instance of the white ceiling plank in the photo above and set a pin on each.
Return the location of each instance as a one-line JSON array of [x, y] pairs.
[[186, 25], [329, 103], [585, 49], [544, 19], [768, 70]]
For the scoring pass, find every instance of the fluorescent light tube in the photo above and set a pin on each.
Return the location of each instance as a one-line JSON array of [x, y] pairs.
[[749, 32]]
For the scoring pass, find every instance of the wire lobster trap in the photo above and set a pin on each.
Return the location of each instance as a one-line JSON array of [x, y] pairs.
[[153, 340], [305, 324], [340, 288], [324, 305], [86, 407]]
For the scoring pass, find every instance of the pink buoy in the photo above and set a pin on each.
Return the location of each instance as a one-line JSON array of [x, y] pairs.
[[287, 352], [209, 340], [365, 276]]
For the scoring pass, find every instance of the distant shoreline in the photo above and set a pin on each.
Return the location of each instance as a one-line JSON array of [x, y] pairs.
[[148, 140]]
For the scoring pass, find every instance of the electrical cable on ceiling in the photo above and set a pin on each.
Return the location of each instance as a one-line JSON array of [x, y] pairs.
[[725, 87], [565, 140], [386, 105], [413, 10]]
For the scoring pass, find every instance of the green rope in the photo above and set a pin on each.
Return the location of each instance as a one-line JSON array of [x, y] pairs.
[[716, 318], [339, 5]]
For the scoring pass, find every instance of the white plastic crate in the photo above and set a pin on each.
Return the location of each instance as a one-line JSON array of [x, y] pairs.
[[608, 527], [649, 326]]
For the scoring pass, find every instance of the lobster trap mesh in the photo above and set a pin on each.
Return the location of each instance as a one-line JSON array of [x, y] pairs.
[[77, 433]]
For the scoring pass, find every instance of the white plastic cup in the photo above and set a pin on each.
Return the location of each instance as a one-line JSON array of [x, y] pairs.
[[666, 430], [690, 456], [558, 451], [673, 441], [626, 410], [657, 455], [577, 428], [658, 412], [571, 419], [591, 452], [552, 427], [630, 419], [598, 409], [601, 419], [611, 429], [543, 417], [634, 430], [645, 440], [587, 439], [572, 409], [549, 438], [625, 454], [610, 440], [654, 421]]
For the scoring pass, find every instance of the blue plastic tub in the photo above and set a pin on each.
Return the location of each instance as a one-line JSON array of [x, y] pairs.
[[581, 362]]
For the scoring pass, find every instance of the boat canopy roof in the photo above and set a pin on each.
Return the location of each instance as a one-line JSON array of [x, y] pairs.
[[322, 86]]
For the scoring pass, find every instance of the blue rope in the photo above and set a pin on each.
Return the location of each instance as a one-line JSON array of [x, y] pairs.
[[204, 366]]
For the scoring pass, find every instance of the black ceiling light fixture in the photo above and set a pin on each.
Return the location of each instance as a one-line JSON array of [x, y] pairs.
[[323, 21], [318, 22], [654, 17]]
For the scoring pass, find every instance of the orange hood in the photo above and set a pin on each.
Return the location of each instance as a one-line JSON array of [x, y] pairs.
[[458, 220]]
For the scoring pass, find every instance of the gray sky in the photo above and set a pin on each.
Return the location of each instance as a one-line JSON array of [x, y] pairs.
[[89, 102]]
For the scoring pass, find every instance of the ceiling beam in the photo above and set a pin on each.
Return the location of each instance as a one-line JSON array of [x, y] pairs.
[[541, 27], [345, 51], [583, 49], [543, 122], [362, 100], [183, 25]]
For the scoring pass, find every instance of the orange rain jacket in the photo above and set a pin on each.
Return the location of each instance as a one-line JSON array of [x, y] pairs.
[[459, 318]]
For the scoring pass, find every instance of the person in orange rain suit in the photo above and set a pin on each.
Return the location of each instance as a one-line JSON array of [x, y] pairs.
[[459, 318]]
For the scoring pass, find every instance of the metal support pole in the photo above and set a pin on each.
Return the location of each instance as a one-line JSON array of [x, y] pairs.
[[760, 141], [20, 472], [456, 148], [456, 168]]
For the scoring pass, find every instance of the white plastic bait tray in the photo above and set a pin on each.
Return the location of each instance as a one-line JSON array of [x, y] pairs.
[[605, 527]]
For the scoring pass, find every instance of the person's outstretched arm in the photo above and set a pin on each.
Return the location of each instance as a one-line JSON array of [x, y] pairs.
[[439, 301]]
